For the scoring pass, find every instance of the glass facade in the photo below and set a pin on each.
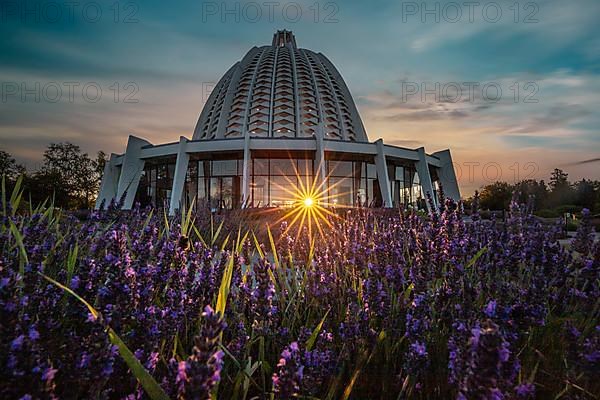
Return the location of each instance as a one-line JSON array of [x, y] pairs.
[[353, 183], [217, 184], [405, 186], [156, 183], [274, 181]]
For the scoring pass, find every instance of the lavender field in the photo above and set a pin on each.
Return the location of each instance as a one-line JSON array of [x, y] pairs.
[[382, 306]]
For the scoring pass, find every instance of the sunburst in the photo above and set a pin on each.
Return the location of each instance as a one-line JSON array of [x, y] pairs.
[[310, 203]]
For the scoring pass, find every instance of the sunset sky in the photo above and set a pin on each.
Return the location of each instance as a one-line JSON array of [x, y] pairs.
[[155, 63]]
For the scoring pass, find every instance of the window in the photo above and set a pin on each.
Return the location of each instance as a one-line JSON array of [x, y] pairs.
[[283, 167], [224, 168], [274, 181], [155, 185], [340, 168], [340, 191]]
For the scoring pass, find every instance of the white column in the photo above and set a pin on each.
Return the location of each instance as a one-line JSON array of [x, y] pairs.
[[246, 173], [447, 175], [131, 170], [110, 182], [320, 172], [181, 167], [382, 174], [425, 177]]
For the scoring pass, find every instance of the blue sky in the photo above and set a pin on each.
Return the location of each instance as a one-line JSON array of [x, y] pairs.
[[165, 57]]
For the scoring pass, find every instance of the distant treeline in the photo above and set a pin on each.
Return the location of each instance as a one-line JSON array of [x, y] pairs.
[[551, 199]]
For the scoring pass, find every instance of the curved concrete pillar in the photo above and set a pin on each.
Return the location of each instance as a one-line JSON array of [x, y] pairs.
[[181, 167], [382, 174], [447, 175], [425, 177], [131, 170], [110, 182], [246, 173], [320, 171]]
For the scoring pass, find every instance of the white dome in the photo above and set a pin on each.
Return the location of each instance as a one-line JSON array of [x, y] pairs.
[[281, 91]]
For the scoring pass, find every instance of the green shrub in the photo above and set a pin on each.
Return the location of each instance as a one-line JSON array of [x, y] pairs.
[[547, 213], [572, 226], [568, 208]]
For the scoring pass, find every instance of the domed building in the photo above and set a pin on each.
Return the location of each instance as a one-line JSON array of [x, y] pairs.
[[280, 119]]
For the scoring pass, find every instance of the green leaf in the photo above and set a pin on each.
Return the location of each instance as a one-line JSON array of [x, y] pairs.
[[257, 245], [199, 235], [363, 361], [247, 371], [187, 221], [166, 219], [148, 218], [224, 244], [216, 234], [152, 388], [476, 257], [273, 248], [22, 252], [71, 261], [224, 288], [240, 243], [313, 337], [17, 194]]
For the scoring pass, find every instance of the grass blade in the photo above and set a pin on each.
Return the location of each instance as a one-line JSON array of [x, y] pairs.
[[257, 245], [71, 261], [224, 288], [216, 234], [313, 337], [199, 235], [476, 257], [22, 252], [363, 361], [273, 248], [17, 194]]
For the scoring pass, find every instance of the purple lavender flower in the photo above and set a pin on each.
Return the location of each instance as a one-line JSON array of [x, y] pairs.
[[584, 239], [197, 376], [287, 379], [490, 309], [525, 391], [484, 372]]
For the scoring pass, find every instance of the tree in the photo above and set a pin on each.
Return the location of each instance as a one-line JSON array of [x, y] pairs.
[[532, 188], [9, 167], [561, 191], [77, 174], [558, 179], [47, 185], [496, 196], [101, 160], [585, 195]]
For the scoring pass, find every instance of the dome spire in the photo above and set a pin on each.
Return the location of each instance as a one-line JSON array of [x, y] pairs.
[[283, 37]]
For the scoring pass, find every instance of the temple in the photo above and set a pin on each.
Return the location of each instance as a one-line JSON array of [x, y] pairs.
[[280, 117]]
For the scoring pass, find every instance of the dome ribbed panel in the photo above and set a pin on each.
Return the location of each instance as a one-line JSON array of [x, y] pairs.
[[239, 104], [281, 91], [284, 118], [330, 118], [307, 96], [260, 101]]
